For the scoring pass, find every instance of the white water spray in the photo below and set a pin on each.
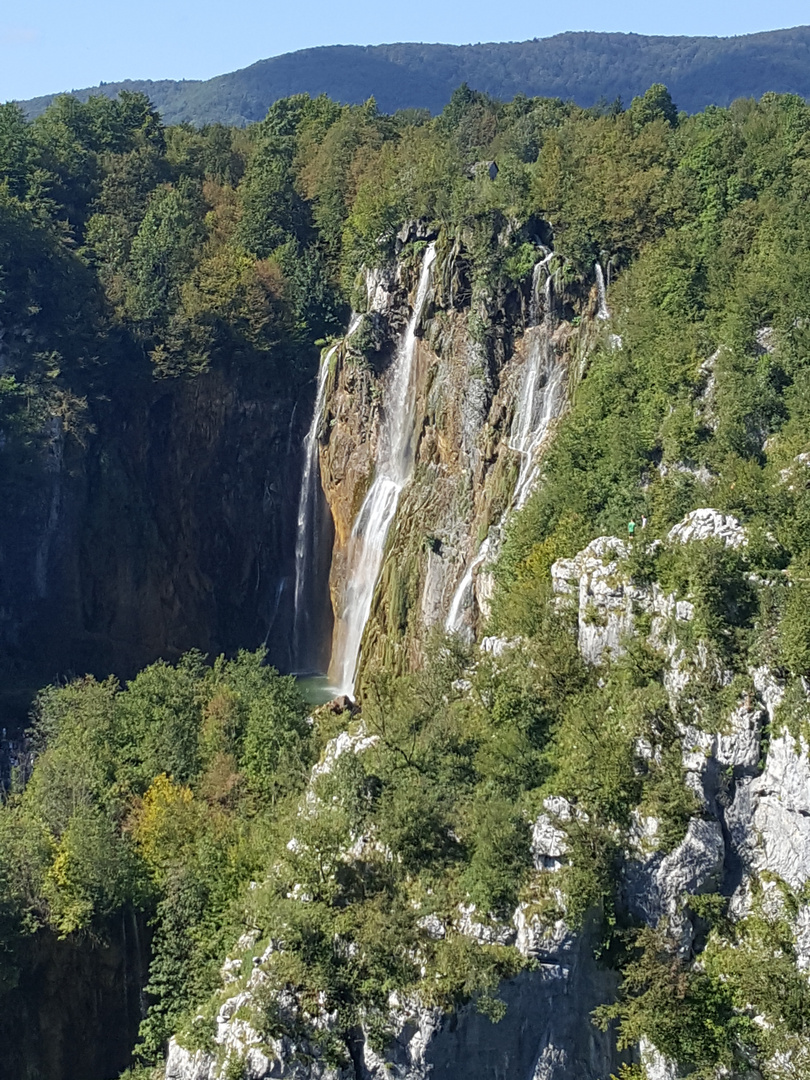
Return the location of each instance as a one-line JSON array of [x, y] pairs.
[[455, 622], [603, 311], [393, 468], [307, 534], [542, 394], [540, 271]]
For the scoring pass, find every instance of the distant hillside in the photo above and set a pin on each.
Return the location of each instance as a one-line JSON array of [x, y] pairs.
[[585, 67]]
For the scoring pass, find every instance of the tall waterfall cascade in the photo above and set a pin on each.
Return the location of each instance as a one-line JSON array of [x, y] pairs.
[[540, 402], [541, 398], [307, 534], [393, 469]]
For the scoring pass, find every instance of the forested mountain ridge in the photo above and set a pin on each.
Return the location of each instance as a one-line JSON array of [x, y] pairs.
[[583, 67], [574, 847]]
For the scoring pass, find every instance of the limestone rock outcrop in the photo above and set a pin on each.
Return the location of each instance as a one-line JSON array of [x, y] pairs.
[[545, 1034], [753, 830], [450, 514]]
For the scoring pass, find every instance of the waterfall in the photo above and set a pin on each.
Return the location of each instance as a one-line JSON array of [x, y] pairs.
[[540, 400], [462, 597], [291, 428], [393, 467], [603, 312], [307, 535], [142, 1002], [537, 277]]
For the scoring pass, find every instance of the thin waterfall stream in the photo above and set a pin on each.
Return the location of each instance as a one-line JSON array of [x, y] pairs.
[[393, 469], [540, 401], [454, 623], [603, 311], [542, 394], [308, 534]]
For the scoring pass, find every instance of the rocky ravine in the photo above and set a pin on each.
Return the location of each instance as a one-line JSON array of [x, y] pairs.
[[753, 828], [170, 525]]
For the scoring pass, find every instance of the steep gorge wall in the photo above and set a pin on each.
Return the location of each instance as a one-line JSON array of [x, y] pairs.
[[75, 1011], [468, 383], [747, 840], [748, 828], [170, 527]]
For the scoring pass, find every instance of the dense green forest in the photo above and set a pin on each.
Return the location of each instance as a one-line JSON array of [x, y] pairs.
[[583, 67], [130, 250]]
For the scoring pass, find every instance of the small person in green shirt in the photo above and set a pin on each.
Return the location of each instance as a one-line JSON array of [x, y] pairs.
[[631, 528]]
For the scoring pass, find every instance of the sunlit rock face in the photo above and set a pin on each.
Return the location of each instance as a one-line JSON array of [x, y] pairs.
[[545, 1032], [753, 832], [483, 409]]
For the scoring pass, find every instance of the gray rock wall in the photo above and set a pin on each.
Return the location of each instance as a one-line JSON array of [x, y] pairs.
[[546, 1033], [75, 1011]]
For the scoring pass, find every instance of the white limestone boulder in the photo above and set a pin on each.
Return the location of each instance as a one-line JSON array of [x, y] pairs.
[[707, 524]]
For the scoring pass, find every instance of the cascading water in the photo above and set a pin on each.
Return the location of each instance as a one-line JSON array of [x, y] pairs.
[[541, 268], [393, 468], [308, 535], [542, 394], [541, 397], [603, 311], [455, 622]]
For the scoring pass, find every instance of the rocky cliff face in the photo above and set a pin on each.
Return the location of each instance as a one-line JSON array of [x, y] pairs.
[[470, 386], [218, 566], [76, 1010], [170, 526], [544, 1035], [545, 1032], [748, 838], [752, 836]]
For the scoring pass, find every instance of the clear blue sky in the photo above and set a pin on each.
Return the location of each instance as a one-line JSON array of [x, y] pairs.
[[50, 45]]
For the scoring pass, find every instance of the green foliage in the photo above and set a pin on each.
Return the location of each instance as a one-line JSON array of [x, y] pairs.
[[756, 960], [743, 1005], [120, 239], [714, 577], [794, 626], [275, 733], [140, 1072], [157, 796], [15, 148], [162, 251], [655, 104], [688, 1014]]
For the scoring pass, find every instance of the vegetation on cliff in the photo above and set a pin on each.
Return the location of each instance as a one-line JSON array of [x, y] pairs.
[[178, 792]]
